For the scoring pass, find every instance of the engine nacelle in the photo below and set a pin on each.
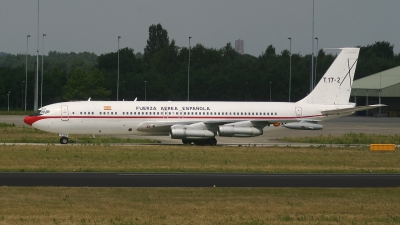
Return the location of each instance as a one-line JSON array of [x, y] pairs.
[[303, 126], [231, 131], [192, 134]]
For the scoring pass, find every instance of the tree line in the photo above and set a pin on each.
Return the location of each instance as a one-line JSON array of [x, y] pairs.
[[161, 73]]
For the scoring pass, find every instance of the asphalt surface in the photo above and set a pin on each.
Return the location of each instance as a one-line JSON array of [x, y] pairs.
[[199, 180]]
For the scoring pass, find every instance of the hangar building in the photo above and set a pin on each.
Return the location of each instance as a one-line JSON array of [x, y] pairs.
[[382, 87]]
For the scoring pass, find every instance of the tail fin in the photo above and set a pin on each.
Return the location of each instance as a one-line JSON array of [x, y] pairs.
[[334, 88]]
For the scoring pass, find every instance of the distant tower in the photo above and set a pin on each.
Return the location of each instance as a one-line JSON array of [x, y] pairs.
[[239, 46]]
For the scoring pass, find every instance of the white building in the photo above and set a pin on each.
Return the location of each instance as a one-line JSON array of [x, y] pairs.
[[239, 46]]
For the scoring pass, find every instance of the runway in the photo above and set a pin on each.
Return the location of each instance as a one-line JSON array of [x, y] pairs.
[[199, 180]]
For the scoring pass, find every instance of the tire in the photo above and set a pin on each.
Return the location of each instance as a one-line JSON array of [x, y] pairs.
[[186, 142], [64, 140], [201, 142], [212, 141]]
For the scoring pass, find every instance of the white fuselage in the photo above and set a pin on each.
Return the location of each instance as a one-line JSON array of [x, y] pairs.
[[134, 117]]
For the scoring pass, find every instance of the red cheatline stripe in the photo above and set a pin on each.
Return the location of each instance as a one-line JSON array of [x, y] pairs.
[[32, 119]]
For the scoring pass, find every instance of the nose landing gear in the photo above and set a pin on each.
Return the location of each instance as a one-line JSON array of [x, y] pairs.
[[64, 140]]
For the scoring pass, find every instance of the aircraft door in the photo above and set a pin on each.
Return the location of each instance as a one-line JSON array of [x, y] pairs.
[[64, 113], [298, 113]]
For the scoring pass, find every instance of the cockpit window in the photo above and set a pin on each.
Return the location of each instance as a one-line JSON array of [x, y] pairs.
[[39, 112]]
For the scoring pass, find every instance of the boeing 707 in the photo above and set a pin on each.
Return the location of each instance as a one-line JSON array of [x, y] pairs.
[[201, 122]]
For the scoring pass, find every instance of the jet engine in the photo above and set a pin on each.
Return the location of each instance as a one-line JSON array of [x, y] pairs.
[[231, 131], [181, 132], [303, 126]]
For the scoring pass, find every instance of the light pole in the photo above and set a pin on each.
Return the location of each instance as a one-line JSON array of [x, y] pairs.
[[118, 69], [26, 68], [270, 90], [41, 85], [189, 68], [316, 60], [246, 92], [145, 87], [312, 51], [36, 93], [22, 94], [290, 66], [8, 96]]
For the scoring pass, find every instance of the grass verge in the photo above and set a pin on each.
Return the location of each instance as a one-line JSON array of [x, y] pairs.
[[57, 205], [120, 158], [349, 138], [9, 133]]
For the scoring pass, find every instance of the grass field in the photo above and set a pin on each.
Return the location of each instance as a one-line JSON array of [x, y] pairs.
[[60, 205], [117, 158], [21, 112], [350, 138], [9, 133], [50, 205]]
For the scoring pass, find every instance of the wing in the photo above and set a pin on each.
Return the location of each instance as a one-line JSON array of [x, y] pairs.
[[165, 126], [350, 110]]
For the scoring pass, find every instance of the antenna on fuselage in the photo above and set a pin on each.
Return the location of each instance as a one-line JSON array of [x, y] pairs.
[[135, 99], [89, 99]]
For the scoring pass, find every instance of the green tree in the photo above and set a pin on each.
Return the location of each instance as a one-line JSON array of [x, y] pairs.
[[158, 39], [82, 84]]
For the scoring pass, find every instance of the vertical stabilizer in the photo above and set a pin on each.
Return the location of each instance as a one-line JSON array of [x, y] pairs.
[[334, 88]]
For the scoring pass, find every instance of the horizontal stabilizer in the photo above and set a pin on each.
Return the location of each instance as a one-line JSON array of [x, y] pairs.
[[351, 110]]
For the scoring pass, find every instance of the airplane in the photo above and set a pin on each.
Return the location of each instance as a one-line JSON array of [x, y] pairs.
[[199, 122]]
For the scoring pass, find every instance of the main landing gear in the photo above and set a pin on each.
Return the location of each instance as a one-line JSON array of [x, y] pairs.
[[64, 140], [211, 141]]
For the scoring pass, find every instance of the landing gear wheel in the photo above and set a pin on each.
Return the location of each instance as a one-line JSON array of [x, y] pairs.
[[212, 141], [63, 140], [200, 142], [186, 142]]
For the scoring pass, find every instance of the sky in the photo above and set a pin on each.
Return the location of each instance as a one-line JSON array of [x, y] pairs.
[[94, 25]]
